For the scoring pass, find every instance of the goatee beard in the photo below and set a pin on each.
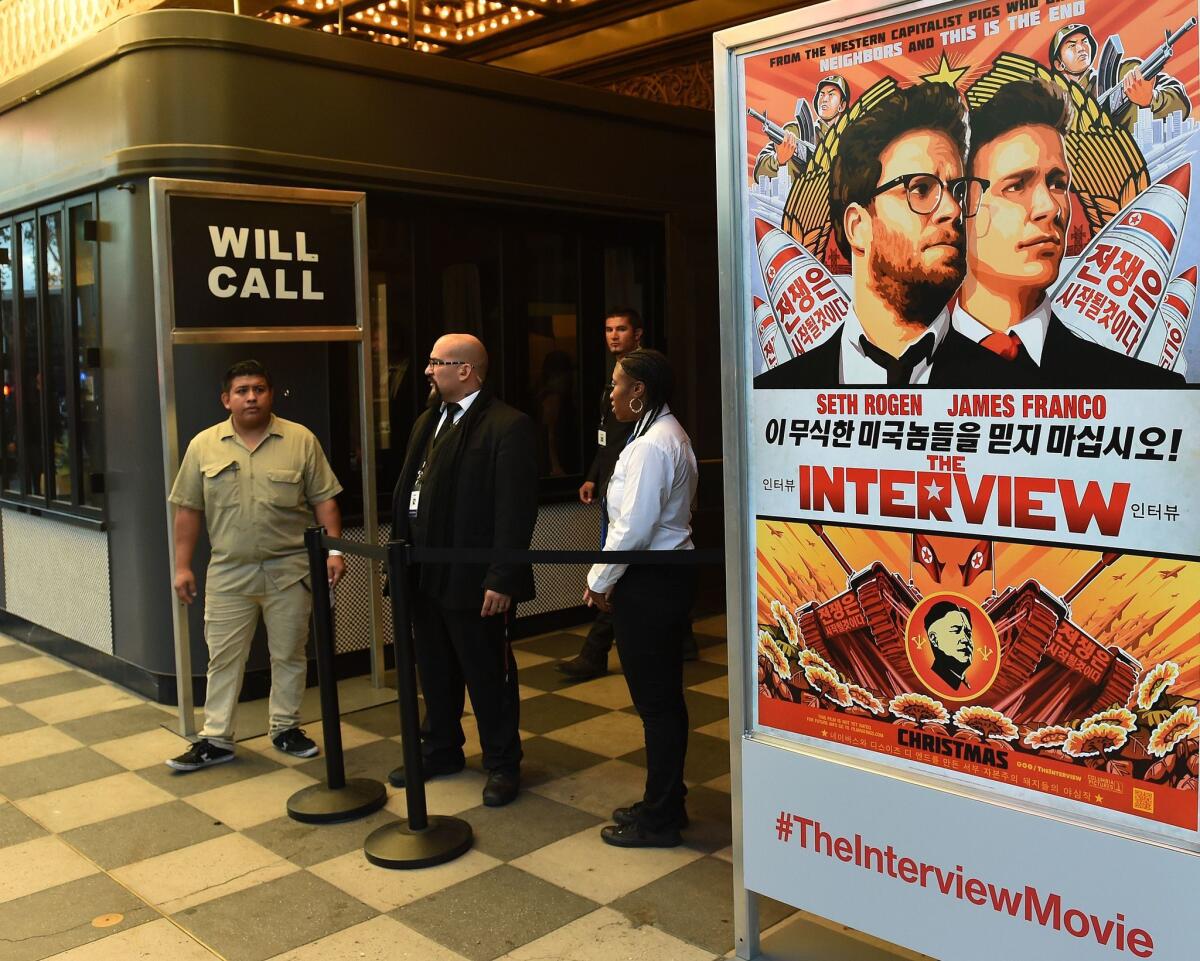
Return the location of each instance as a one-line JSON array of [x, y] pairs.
[[435, 396]]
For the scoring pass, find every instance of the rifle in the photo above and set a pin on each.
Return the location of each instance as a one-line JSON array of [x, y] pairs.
[[776, 134], [1107, 74]]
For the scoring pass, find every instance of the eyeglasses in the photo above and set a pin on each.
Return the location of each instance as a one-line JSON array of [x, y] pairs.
[[924, 192], [434, 362]]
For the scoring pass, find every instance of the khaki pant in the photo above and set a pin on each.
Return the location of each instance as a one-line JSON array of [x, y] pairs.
[[229, 624]]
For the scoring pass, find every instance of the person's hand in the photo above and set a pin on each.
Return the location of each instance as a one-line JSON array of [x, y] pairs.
[[185, 585], [495, 603], [587, 492], [786, 150], [335, 566], [1138, 89], [593, 599]]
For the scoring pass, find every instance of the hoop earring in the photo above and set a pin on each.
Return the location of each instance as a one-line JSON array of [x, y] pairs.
[[640, 407]]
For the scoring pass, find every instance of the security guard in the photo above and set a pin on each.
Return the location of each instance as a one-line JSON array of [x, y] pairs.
[[252, 478]]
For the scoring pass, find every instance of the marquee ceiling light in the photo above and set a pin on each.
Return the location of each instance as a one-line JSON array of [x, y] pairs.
[[472, 20]]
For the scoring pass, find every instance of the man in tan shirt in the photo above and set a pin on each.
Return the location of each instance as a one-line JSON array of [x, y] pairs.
[[256, 480]]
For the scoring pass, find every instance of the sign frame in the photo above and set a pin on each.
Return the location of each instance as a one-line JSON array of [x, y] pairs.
[[730, 47], [161, 191]]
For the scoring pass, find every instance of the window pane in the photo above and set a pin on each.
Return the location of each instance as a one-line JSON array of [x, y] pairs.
[[10, 476], [59, 432], [86, 322], [31, 376], [545, 275]]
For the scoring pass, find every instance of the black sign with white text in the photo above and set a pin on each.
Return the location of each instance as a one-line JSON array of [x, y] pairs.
[[262, 263]]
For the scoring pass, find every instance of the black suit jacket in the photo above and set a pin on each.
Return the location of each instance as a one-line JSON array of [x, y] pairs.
[[958, 362], [1069, 360], [479, 489]]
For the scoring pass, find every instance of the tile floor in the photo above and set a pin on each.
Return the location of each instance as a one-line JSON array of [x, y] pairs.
[[105, 853]]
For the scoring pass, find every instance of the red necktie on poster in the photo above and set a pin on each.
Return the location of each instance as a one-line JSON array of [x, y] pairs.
[[1004, 345], [924, 554], [978, 561]]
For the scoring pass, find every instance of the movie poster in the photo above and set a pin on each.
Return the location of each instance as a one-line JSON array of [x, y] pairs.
[[970, 271]]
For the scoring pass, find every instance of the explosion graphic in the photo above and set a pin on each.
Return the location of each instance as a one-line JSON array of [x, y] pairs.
[[920, 708], [1184, 723], [1053, 736], [1155, 682], [1095, 740], [1120, 716], [986, 722], [828, 684], [785, 620], [810, 658], [864, 698], [767, 645]]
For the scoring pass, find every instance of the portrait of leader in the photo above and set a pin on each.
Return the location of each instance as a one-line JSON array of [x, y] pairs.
[[1015, 244], [897, 196], [948, 628]]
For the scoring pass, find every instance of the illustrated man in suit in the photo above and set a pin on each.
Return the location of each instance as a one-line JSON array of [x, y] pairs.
[[896, 202], [469, 481], [1016, 242], [949, 630]]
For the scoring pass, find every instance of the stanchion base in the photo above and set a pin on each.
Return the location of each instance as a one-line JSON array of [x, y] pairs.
[[319, 804], [399, 846]]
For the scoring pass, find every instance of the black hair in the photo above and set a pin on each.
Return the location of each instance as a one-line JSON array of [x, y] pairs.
[[1019, 103], [244, 368], [629, 314], [857, 167], [941, 609], [653, 370]]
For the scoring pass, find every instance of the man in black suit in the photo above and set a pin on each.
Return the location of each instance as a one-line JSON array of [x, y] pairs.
[[469, 481], [1016, 242], [897, 201]]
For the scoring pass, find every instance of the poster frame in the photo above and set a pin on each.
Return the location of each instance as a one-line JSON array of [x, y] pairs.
[[730, 46]]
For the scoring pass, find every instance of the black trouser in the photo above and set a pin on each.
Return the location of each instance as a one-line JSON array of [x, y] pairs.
[[650, 611], [457, 651]]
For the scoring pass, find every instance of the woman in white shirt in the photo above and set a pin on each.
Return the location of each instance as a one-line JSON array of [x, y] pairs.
[[650, 499]]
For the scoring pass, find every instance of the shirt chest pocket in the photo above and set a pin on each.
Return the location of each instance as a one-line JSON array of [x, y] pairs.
[[221, 485], [284, 488]]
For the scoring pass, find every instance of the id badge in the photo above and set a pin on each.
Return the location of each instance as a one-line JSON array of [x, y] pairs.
[[602, 438], [413, 500]]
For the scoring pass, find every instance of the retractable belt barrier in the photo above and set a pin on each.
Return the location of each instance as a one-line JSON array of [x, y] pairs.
[[421, 839]]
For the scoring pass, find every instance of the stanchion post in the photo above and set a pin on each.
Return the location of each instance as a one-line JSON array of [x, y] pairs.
[[337, 799], [406, 685], [419, 841]]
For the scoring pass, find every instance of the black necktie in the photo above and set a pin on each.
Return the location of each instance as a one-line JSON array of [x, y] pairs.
[[899, 369], [447, 422]]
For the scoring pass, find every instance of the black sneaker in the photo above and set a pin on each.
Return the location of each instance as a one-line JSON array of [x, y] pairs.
[[295, 742], [636, 836], [623, 817], [201, 754]]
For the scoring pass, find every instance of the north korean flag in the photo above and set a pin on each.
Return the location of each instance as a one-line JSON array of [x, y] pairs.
[[978, 561], [924, 554]]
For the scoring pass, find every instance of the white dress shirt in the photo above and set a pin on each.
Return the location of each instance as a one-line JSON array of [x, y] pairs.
[[464, 405], [1031, 329], [858, 368], [649, 497]]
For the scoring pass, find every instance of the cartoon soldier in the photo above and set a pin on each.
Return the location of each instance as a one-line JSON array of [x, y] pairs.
[[1123, 85], [830, 100]]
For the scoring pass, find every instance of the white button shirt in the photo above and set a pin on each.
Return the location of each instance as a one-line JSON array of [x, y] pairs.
[[649, 497], [858, 368], [1031, 329]]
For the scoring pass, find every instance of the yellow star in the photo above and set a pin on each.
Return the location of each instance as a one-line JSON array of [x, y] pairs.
[[945, 74]]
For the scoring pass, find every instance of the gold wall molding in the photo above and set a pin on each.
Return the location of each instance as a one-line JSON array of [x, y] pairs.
[[32, 31], [681, 85]]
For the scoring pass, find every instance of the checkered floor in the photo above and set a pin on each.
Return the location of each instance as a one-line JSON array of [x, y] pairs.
[[105, 853]]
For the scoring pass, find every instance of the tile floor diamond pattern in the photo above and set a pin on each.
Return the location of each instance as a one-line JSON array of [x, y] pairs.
[[94, 829]]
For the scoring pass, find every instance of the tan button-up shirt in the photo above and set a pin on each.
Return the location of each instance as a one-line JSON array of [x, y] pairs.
[[256, 503]]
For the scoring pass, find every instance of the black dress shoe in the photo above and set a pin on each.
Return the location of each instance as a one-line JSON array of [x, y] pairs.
[[430, 767], [635, 836], [583, 668], [501, 788], [629, 815]]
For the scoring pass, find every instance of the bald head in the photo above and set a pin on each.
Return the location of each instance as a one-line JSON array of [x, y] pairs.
[[467, 370]]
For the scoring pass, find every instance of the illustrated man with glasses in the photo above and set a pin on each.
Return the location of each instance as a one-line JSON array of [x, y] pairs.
[[1016, 242], [469, 481], [897, 198]]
